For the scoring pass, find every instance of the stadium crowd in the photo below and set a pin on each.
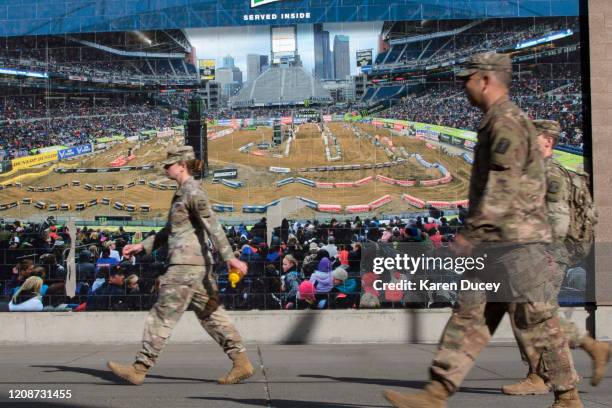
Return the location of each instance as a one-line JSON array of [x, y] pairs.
[[30, 123], [307, 264], [552, 92]]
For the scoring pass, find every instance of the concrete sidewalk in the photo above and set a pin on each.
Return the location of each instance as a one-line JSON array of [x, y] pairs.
[[304, 376]]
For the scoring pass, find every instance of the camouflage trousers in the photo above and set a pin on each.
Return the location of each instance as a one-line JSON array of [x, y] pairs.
[[526, 299], [182, 287], [529, 354]]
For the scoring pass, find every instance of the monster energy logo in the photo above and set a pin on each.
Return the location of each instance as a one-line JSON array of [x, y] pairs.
[[257, 3]]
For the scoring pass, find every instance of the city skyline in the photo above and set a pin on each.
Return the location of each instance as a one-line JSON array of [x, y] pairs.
[[239, 42]]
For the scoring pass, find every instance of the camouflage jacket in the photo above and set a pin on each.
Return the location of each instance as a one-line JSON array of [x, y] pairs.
[[558, 188], [508, 181], [191, 223]]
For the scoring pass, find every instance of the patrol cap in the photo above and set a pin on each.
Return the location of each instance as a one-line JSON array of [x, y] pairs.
[[487, 61], [550, 127], [177, 154]]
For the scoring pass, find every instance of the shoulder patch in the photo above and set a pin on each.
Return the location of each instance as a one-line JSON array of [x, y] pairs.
[[202, 205], [502, 146]]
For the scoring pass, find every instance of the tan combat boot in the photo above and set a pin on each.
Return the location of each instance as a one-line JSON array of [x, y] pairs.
[[600, 355], [134, 373], [532, 385], [434, 395], [567, 399], [241, 370]]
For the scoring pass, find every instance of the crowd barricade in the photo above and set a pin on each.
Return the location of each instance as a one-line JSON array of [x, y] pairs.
[[26, 200], [440, 204], [65, 170], [273, 203], [380, 201], [119, 205], [305, 181], [130, 158], [330, 208], [8, 205], [413, 201], [222, 207], [246, 147], [429, 183], [109, 188], [80, 206], [145, 208], [405, 183], [324, 185], [105, 201], [364, 181], [344, 184], [358, 208], [384, 179], [284, 182], [257, 153], [92, 202], [309, 203], [254, 209], [232, 184], [463, 203], [64, 207], [273, 169]]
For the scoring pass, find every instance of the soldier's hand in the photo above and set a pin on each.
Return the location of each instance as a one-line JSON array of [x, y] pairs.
[[461, 246], [236, 263], [132, 249]]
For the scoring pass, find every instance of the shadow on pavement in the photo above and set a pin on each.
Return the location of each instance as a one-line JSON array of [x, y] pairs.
[[280, 403], [417, 385], [106, 375]]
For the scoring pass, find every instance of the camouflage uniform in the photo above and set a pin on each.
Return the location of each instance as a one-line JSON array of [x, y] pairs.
[[507, 209], [558, 189], [188, 281]]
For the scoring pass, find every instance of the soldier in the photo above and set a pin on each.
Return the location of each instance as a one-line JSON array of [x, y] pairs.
[[558, 199], [188, 282], [507, 187]]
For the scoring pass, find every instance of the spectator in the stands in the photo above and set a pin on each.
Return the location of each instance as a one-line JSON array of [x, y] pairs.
[[322, 278], [28, 297], [290, 278], [134, 294], [345, 290], [85, 269], [106, 259], [112, 245], [111, 294], [331, 247]]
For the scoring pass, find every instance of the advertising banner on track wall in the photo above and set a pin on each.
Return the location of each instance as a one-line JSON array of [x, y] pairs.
[[34, 160], [74, 151]]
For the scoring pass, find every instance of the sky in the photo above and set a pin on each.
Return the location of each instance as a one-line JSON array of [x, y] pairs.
[[218, 42]]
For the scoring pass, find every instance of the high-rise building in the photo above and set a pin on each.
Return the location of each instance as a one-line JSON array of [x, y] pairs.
[[228, 61], [255, 65], [323, 55], [226, 76], [342, 57]]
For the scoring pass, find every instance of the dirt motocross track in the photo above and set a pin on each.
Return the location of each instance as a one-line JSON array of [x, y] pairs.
[[306, 150]]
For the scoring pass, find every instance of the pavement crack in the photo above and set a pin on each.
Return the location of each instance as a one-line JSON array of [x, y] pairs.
[[83, 356], [266, 382]]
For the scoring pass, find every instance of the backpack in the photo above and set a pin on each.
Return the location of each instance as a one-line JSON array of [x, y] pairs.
[[583, 216]]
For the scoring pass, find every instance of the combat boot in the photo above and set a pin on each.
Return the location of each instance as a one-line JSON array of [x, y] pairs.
[[567, 399], [134, 373], [434, 395], [600, 355], [532, 385], [241, 369]]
